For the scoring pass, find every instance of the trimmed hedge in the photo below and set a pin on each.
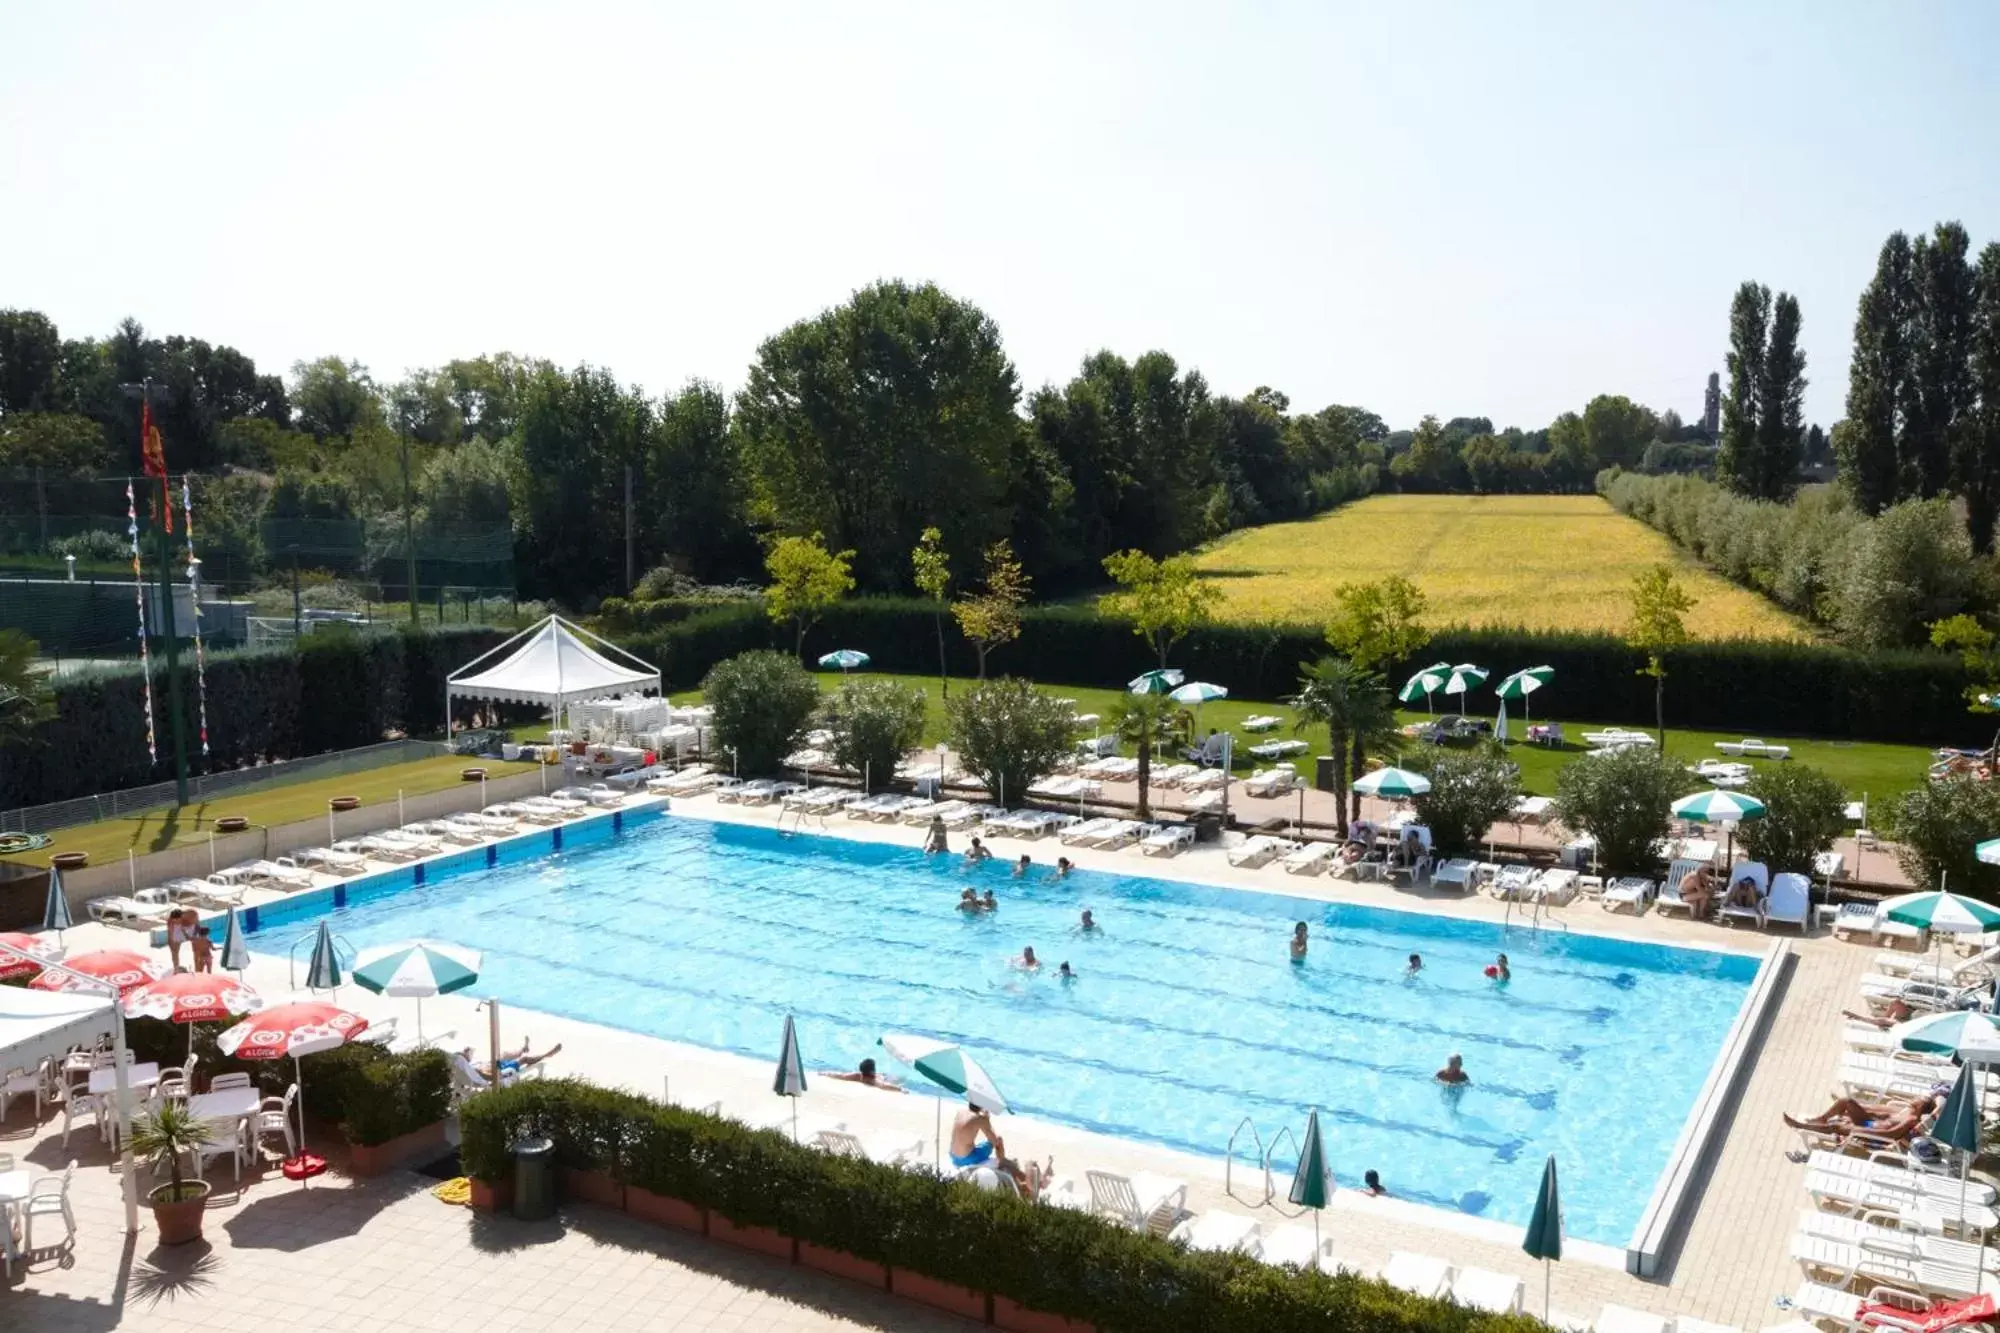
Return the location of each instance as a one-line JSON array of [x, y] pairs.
[[1048, 1259], [1743, 685], [332, 691]]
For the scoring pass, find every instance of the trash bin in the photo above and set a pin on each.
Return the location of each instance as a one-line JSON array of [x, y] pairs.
[[534, 1179], [1323, 772]]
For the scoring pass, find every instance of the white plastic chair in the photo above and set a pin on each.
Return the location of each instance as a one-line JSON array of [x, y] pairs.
[[48, 1197], [79, 1103], [274, 1115], [222, 1081], [21, 1083]]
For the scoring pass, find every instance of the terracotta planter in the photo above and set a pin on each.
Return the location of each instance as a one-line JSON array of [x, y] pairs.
[[962, 1301], [491, 1198], [231, 824], [340, 805], [376, 1159], [70, 860], [842, 1264], [1020, 1319], [650, 1207], [179, 1221], [592, 1187], [761, 1239]]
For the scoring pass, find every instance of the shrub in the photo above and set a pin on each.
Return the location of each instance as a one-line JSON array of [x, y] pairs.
[[1470, 792], [874, 724], [95, 544], [1009, 733], [762, 702], [1050, 1259], [1621, 800], [1912, 566], [1804, 811], [1937, 826]]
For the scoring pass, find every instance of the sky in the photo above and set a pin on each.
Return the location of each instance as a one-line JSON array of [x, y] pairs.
[[1467, 209]]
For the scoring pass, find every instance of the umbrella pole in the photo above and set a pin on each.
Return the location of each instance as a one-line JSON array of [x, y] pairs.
[[299, 1077], [937, 1136], [1547, 1270], [1315, 1240], [420, 1020]]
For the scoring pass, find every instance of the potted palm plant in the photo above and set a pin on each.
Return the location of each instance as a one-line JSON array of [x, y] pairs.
[[164, 1138]]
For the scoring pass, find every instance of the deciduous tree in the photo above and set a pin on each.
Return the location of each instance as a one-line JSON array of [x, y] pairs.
[[806, 580], [932, 569], [1008, 733], [1164, 599], [1657, 627], [1804, 811], [1378, 624], [1471, 790], [992, 616]]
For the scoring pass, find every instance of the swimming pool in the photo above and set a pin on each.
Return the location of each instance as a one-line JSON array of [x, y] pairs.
[[1187, 1014]]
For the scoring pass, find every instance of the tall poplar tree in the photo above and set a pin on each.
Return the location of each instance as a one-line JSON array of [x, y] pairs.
[[1941, 359], [1738, 462], [1878, 382], [1979, 457]]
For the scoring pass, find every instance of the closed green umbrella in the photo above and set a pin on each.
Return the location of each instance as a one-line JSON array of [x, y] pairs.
[[235, 952], [55, 911], [791, 1079], [324, 971], [1312, 1183], [1958, 1124], [1544, 1238], [1425, 682], [1155, 682]]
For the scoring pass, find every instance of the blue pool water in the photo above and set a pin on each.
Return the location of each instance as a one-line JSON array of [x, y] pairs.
[[1187, 1015]]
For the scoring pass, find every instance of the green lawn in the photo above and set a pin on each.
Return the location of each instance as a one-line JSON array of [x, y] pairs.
[[108, 840], [1877, 771]]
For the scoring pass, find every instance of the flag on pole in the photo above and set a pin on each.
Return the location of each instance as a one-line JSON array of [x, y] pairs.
[[153, 458]]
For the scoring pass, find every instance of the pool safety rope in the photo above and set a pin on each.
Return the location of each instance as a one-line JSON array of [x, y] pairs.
[[139, 592], [194, 595]]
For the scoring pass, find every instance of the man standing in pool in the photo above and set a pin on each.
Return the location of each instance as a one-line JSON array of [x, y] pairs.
[[1453, 1072], [1299, 942], [1021, 866], [1089, 922], [977, 852], [1027, 962]]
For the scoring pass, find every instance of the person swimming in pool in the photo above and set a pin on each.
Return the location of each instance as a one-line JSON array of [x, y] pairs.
[[977, 852], [1027, 962], [1498, 969], [1453, 1072], [1088, 923], [1371, 1180], [1299, 941], [1064, 973], [1416, 965], [989, 902], [1022, 866], [968, 901], [1063, 867]]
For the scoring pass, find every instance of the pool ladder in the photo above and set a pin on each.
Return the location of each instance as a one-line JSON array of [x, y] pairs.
[[1268, 1195]]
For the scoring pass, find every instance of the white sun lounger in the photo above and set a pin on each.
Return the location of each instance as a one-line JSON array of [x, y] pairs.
[[1419, 1274], [1271, 782], [1624, 1319], [1973, 971], [284, 873], [685, 782], [1168, 840], [1890, 1171], [1204, 802], [1483, 1289], [1310, 859], [147, 907], [1631, 891], [888, 1148], [1126, 832], [1914, 1205], [1293, 1244], [1113, 768], [1083, 834], [1141, 1201], [1259, 851], [1222, 1232], [1868, 919], [1896, 1262], [1173, 775], [1262, 722], [598, 794], [1669, 899], [1851, 1230], [923, 814], [1816, 1301], [1555, 886], [820, 800], [1756, 872], [567, 806], [1207, 779], [1513, 881], [332, 861]]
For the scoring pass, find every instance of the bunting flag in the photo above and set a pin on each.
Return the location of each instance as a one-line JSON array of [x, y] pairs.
[[139, 592], [194, 595], [153, 456]]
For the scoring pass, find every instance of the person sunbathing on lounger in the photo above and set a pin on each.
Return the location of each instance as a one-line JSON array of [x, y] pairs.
[[1697, 890], [969, 1151], [1743, 893], [1895, 1119], [512, 1063], [1896, 1013]]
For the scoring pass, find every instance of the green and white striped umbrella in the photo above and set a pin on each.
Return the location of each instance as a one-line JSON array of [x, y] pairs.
[[1394, 784], [950, 1068], [1946, 1033], [1156, 682], [1425, 683], [845, 658], [1524, 682], [1988, 851], [418, 968], [1464, 678], [1198, 692], [1940, 911], [1716, 807]]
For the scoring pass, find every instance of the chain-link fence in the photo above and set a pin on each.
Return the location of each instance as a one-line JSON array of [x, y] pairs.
[[66, 564], [283, 772]]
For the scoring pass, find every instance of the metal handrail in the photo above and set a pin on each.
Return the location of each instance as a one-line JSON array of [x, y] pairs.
[[1270, 1185], [1229, 1162]]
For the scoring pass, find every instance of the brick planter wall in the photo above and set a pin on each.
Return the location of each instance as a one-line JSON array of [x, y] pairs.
[[940, 1295], [365, 1159], [761, 1239], [842, 1264], [592, 1187], [658, 1208]]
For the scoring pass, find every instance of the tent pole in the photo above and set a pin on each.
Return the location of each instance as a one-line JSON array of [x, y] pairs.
[[122, 1089]]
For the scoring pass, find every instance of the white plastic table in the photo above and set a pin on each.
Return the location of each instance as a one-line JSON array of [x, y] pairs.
[[229, 1104], [138, 1078]]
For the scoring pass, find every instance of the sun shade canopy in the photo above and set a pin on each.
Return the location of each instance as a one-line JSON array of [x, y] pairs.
[[554, 664], [36, 1024]]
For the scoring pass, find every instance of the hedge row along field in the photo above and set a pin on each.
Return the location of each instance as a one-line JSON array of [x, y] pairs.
[[1545, 562], [338, 691]]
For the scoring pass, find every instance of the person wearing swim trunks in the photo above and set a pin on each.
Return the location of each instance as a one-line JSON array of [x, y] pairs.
[[1894, 1119], [970, 1150]]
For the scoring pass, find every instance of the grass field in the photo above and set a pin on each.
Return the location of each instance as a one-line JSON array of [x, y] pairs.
[[1556, 562], [108, 840]]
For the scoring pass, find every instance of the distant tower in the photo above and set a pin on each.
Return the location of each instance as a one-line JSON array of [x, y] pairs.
[[1711, 407]]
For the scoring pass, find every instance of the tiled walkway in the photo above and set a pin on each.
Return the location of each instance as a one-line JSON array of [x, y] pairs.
[[384, 1254]]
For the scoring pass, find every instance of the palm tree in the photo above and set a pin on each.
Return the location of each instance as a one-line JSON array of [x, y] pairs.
[[24, 690], [1353, 704], [1147, 720], [1374, 730]]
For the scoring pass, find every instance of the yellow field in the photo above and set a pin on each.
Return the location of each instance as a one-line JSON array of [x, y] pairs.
[[1538, 561]]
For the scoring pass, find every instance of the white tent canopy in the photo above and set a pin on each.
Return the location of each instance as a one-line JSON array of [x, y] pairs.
[[554, 664], [36, 1024]]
